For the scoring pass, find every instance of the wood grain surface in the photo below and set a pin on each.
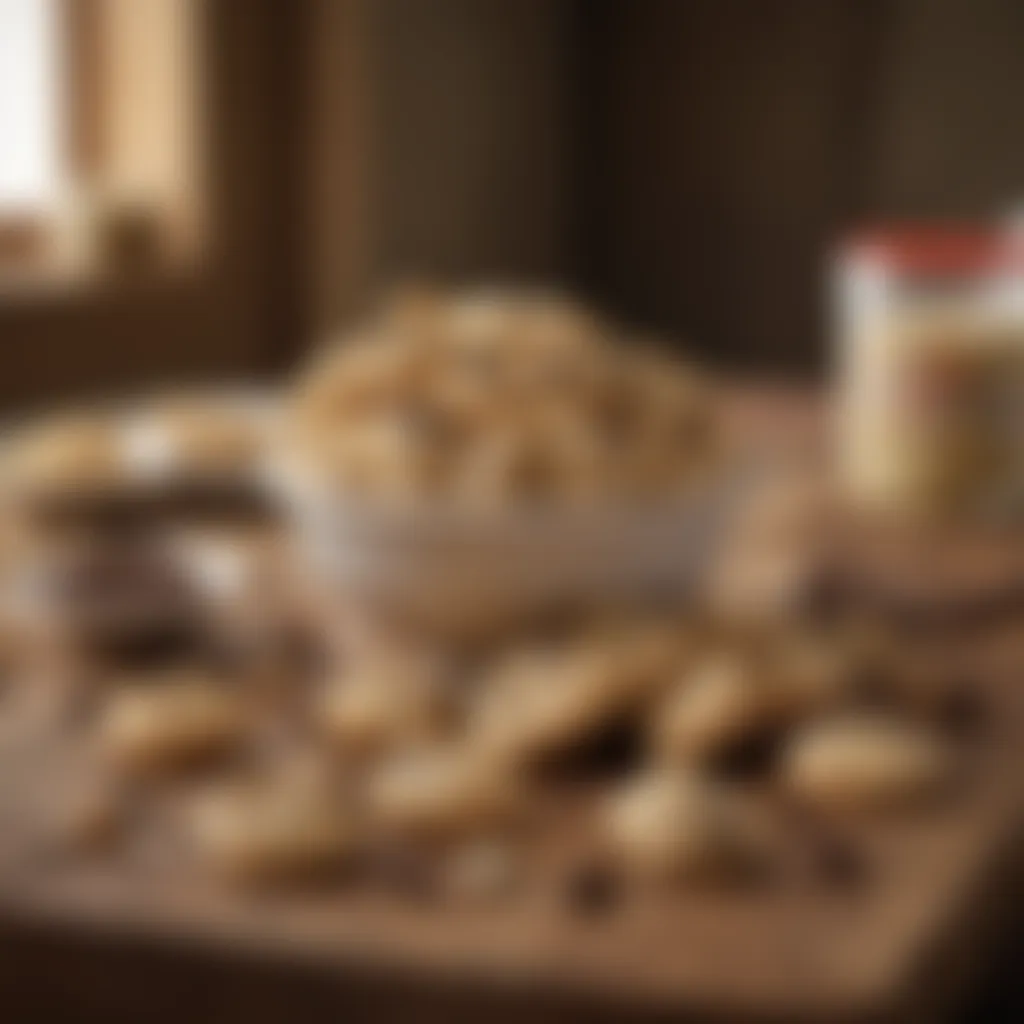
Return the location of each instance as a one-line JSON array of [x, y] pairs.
[[143, 936]]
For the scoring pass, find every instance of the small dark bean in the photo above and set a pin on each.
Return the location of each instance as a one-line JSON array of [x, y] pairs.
[[750, 759]]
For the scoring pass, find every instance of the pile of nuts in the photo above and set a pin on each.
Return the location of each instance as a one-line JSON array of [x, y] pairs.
[[497, 397]]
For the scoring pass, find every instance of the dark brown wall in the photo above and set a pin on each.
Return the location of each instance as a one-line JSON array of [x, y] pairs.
[[686, 162], [439, 145], [469, 100], [948, 137], [727, 142]]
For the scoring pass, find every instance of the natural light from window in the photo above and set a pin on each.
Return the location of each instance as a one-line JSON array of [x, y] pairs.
[[30, 86]]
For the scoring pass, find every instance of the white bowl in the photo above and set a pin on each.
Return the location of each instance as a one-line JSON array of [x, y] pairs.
[[455, 567]]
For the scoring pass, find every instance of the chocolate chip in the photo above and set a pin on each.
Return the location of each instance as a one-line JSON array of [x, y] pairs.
[[752, 758], [610, 752], [592, 890], [152, 645]]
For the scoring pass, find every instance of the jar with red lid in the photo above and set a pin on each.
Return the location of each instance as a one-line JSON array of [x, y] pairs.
[[931, 381]]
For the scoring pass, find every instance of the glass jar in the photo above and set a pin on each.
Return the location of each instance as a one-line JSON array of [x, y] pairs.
[[931, 375]]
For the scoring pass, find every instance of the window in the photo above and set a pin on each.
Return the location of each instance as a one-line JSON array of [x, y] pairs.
[[30, 102], [99, 136]]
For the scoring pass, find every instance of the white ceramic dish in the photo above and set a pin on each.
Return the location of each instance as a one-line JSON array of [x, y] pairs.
[[458, 567]]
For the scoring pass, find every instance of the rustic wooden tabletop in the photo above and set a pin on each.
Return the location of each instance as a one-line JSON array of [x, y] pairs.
[[147, 939]]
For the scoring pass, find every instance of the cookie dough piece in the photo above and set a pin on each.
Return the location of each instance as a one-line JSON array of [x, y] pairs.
[[865, 762], [441, 792], [509, 464], [715, 706], [65, 457], [198, 437], [171, 723], [267, 833], [520, 332], [676, 825], [538, 701], [356, 378], [394, 454], [384, 701]]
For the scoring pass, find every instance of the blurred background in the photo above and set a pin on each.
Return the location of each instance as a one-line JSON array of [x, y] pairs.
[[196, 188]]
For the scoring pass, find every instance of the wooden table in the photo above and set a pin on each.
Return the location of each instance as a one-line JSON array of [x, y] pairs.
[[152, 941]]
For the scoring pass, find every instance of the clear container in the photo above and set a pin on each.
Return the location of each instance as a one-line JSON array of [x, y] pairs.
[[931, 381]]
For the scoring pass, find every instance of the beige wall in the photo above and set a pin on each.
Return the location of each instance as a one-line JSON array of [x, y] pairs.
[[735, 140]]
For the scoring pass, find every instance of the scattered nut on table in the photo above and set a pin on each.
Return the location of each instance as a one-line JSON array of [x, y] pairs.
[[538, 701], [65, 456], [864, 761], [718, 703], [264, 832], [171, 723], [438, 792], [383, 701], [193, 436], [673, 825]]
